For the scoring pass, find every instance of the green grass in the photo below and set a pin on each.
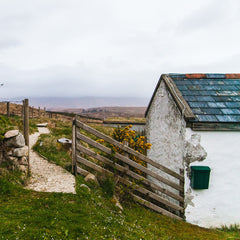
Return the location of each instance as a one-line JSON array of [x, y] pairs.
[[14, 123], [101, 128], [53, 150], [126, 119], [26, 214]]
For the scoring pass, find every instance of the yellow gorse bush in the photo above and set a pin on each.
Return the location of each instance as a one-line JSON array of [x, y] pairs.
[[134, 140]]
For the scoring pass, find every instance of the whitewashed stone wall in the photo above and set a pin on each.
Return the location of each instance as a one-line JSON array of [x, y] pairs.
[[165, 130], [220, 204]]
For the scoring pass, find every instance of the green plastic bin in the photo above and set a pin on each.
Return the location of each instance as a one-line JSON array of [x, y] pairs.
[[200, 177]]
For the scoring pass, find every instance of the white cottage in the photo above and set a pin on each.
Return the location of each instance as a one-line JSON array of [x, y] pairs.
[[193, 122]]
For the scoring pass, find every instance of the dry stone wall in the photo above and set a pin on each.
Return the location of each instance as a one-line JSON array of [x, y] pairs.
[[14, 152]]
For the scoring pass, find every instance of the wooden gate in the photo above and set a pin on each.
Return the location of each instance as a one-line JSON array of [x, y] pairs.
[[89, 155]]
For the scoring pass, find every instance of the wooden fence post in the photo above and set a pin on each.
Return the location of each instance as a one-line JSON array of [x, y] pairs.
[[8, 109], [74, 170], [39, 112], [26, 121], [26, 127]]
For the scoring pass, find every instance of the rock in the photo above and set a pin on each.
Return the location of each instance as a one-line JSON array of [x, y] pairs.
[[23, 168], [20, 152], [85, 186], [42, 124], [9, 151], [64, 141], [117, 203], [16, 141], [12, 133], [23, 161], [91, 178], [14, 160]]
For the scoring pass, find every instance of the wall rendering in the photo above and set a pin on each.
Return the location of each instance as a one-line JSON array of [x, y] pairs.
[[220, 204], [165, 130]]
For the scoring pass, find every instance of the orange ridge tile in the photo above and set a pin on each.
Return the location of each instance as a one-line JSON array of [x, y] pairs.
[[196, 75], [233, 75]]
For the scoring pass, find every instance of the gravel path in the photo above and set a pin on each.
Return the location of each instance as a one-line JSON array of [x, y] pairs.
[[48, 177]]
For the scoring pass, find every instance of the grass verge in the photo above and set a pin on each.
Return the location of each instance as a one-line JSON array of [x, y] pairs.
[[27, 214], [126, 119]]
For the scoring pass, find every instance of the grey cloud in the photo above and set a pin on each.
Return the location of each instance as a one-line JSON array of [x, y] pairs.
[[210, 15], [72, 81], [111, 48], [9, 43]]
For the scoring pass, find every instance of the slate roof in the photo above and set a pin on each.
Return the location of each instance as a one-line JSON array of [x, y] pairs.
[[211, 97]]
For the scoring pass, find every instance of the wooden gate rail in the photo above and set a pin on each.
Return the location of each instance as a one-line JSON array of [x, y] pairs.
[[127, 161], [128, 172], [128, 149], [165, 200]]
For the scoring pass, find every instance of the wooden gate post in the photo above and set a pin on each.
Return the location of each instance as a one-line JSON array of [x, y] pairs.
[[74, 170]]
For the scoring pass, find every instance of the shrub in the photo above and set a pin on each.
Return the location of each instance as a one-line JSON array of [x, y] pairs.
[[133, 140]]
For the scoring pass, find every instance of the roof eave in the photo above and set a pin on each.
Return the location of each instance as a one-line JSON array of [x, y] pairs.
[[178, 98], [214, 126]]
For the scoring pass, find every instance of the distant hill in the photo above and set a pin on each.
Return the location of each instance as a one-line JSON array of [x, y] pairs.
[[108, 112], [60, 103], [96, 107]]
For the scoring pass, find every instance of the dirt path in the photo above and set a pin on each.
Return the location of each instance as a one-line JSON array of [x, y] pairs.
[[48, 177]]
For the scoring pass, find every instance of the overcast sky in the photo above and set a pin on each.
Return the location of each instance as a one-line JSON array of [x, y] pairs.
[[112, 47]]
